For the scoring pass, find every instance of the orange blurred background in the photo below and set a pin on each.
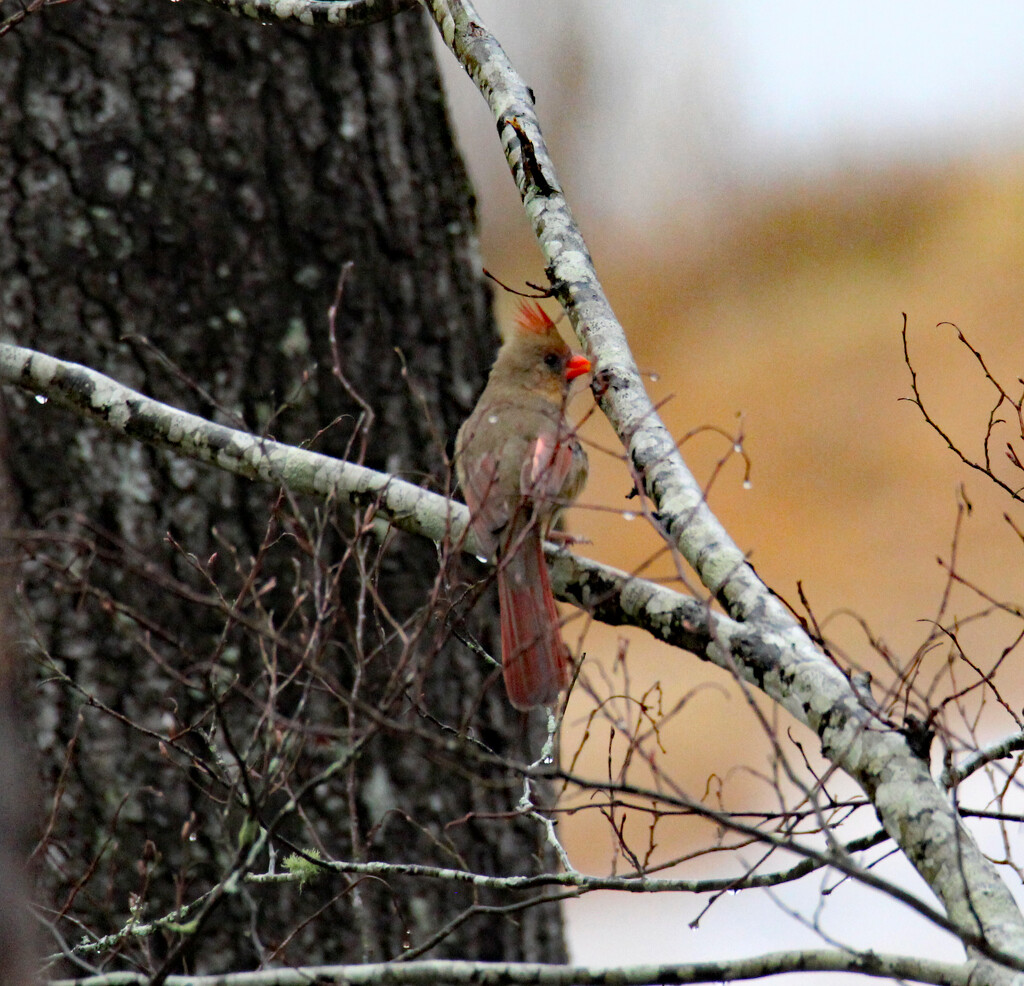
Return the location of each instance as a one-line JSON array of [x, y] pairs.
[[792, 319]]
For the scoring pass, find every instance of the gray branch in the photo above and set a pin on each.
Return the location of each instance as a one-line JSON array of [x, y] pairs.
[[121, 409], [459, 973], [325, 13], [951, 776], [775, 654]]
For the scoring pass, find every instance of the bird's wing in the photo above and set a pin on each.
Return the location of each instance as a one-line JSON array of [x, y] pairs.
[[545, 472], [488, 512]]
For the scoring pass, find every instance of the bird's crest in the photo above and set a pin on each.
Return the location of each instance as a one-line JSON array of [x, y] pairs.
[[533, 318]]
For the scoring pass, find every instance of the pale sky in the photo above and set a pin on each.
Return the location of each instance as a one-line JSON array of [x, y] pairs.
[[693, 98], [810, 75]]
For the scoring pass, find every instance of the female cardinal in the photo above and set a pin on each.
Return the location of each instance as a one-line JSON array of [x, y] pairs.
[[519, 463]]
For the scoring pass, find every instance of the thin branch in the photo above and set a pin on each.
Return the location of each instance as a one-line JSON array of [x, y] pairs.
[[583, 882], [985, 468], [11, 22], [460, 973], [832, 857], [134, 415], [366, 415], [578, 883], [952, 776]]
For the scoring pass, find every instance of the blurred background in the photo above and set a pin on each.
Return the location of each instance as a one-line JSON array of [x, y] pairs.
[[766, 189]]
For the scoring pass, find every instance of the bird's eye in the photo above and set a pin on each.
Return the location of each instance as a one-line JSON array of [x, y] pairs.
[[553, 361]]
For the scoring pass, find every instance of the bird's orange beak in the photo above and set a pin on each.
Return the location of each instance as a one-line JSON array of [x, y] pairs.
[[576, 367]]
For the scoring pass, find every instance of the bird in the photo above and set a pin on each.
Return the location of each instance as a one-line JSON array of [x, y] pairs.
[[519, 462]]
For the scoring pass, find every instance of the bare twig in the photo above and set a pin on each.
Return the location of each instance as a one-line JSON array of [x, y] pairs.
[[984, 466], [366, 415]]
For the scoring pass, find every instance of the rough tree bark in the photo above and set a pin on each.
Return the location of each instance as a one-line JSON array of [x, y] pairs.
[[17, 800], [178, 192]]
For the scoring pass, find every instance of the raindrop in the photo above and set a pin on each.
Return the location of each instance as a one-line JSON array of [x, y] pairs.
[[747, 484], [628, 515], [547, 760], [41, 398], [655, 377], [737, 448], [492, 419], [482, 559]]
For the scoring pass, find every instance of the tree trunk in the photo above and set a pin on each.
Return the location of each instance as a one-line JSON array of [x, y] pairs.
[[178, 192]]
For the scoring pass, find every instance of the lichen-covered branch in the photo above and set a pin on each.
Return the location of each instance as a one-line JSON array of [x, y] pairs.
[[134, 415], [326, 13], [999, 750], [429, 973], [785, 664]]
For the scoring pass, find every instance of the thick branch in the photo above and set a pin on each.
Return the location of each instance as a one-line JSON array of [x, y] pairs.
[[134, 415], [914, 811], [326, 13]]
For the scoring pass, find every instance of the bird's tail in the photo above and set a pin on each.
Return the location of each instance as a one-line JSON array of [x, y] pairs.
[[533, 655]]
